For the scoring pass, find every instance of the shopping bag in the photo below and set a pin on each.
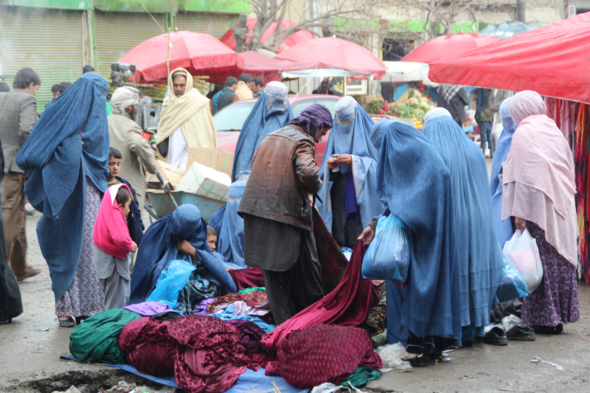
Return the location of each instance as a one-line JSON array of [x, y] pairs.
[[512, 285], [388, 255], [523, 251], [171, 282]]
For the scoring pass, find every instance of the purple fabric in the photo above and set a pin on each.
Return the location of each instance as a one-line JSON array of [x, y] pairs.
[[202, 307], [350, 204], [312, 119], [250, 333], [147, 309], [555, 301]]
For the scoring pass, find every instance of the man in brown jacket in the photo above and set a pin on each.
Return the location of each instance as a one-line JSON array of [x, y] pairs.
[[18, 114], [277, 211]]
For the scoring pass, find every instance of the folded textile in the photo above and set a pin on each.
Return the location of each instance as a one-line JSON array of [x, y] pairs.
[[347, 305], [147, 309], [376, 322], [97, 338], [201, 309], [361, 377], [324, 353], [247, 278], [258, 299], [250, 333], [228, 314]]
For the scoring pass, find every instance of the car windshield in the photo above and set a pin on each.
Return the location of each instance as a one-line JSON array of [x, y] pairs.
[[233, 116], [299, 106]]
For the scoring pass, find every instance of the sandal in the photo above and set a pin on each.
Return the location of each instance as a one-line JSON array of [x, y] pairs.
[[67, 323]]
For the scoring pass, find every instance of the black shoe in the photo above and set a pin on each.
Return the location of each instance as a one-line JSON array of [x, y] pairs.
[[419, 361], [521, 333], [5, 321], [467, 344], [496, 336], [548, 329]]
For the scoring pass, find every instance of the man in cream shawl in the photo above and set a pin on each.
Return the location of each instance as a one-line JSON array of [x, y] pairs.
[[185, 119]]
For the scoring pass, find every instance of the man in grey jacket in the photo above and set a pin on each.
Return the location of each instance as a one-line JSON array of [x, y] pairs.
[[18, 111]]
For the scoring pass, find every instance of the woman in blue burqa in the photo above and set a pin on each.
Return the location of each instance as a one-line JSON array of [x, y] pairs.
[[478, 251], [414, 184], [504, 229], [348, 195], [180, 235], [66, 159], [271, 112]]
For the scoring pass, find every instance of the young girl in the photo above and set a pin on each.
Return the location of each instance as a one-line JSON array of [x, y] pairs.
[[113, 246]]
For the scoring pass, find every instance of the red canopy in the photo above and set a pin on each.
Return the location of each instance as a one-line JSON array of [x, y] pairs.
[[335, 53], [300, 36], [552, 60], [448, 46], [200, 54]]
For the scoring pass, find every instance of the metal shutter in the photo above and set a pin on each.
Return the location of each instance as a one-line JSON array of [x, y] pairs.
[[116, 33], [49, 41], [213, 24]]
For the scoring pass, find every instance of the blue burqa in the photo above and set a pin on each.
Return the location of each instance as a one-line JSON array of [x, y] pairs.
[[503, 228], [268, 115], [69, 143], [230, 238], [158, 249], [350, 135], [414, 184], [480, 258]]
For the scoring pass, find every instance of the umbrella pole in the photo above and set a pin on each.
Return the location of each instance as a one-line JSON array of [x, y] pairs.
[[168, 56]]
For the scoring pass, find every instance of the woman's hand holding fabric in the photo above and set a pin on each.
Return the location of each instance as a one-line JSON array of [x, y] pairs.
[[367, 236], [187, 248], [520, 223]]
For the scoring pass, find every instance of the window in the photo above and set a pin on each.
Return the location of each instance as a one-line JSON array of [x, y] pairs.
[[299, 106], [232, 117]]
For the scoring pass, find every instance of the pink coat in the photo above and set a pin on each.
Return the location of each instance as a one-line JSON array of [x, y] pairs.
[[111, 234]]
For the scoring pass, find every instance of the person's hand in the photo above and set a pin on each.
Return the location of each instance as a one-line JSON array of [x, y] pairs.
[[187, 248], [332, 164], [345, 160], [167, 186], [520, 223], [367, 236], [134, 248]]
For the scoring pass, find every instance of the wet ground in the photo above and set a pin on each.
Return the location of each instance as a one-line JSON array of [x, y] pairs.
[[30, 350]]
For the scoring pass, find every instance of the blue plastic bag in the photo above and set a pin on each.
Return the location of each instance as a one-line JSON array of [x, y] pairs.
[[171, 282], [512, 285], [388, 255]]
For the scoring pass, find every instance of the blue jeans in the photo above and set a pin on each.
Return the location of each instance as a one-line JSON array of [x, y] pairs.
[[485, 130]]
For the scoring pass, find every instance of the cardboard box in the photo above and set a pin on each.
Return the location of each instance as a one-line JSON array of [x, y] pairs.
[[169, 173], [218, 159], [206, 182]]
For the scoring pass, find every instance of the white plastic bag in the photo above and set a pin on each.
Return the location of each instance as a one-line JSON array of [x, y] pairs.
[[523, 251]]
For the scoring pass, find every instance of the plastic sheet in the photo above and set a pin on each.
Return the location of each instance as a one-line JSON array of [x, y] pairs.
[[388, 256], [523, 251], [171, 282], [392, 355]]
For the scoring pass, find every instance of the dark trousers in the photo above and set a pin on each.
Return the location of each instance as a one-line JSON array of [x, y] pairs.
[[293, 290], [15, 220]]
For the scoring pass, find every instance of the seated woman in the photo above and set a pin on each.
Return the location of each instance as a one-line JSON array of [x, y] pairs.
[[180, 235], [415, 186]]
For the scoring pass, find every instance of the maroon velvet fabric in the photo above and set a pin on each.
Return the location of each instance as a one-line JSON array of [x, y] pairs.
[[347, 305], [324, 353], [247, 278]]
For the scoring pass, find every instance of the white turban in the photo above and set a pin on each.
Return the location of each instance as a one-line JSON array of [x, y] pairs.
[[123, 98]]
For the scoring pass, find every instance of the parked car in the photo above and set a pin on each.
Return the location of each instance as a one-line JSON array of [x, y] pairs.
[[229, 120]]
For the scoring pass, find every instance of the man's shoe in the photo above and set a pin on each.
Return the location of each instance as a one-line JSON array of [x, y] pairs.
[[28, 274], [496, 336], [521, 333], [5, 321]]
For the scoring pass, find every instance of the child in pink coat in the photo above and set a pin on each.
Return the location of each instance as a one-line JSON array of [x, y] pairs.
[[113, 246]]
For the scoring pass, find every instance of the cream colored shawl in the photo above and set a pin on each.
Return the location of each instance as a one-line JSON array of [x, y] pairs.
[[190, 112], [243, 91]]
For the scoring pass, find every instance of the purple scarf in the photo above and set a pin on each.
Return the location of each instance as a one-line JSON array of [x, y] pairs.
[[313, 119]]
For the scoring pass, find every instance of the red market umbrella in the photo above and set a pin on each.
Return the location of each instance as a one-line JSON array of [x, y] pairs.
[[552, 60], [448, 46], [335, 53], [300, 36], [200, 54]]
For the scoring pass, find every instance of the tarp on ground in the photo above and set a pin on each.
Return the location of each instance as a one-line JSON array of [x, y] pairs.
[[552, 60]]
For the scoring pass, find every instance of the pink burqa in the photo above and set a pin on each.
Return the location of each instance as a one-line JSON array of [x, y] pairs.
[[538, 175], [347, 305]]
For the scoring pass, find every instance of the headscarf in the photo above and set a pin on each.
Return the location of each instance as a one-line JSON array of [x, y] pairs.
[[414, 185], [312, 119], [503, 228], [526, 103], [538, 179], [271, 112], [158, 249], [479, 256], [57, 165], [434, 113], [350, 135], [190, 112], [449, 91], [123, 98]]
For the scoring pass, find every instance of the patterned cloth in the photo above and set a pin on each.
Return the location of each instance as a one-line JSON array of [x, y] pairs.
[[257, 299], [85, 296], [555, 301], [201, 285], [310, 357], [376, 322]]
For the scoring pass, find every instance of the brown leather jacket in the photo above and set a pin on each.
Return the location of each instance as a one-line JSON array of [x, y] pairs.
[[283, 174]]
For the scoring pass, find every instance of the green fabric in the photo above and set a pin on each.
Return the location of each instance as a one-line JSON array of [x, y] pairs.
[[97, 338], [246, 290], [361, 377], [109, 109]]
